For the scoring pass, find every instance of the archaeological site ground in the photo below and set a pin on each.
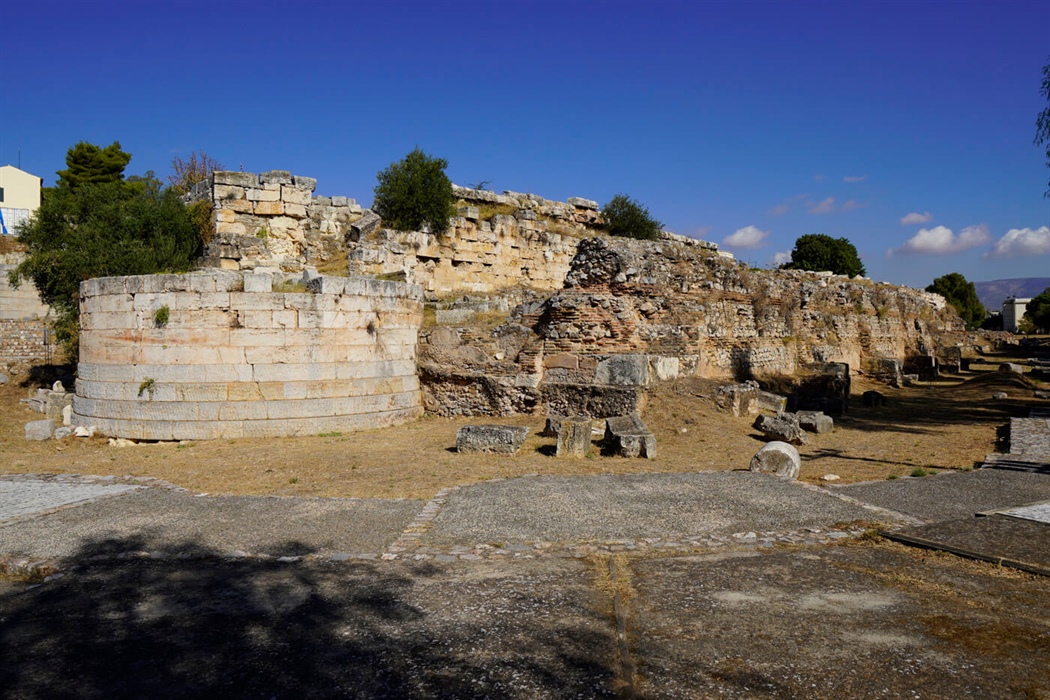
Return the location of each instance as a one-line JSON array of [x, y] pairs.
[[268, 498]]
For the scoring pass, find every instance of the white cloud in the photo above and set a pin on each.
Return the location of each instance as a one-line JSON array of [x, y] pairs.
[[940, 240], [781, 258], [851, 204], [916, 218], [855, 178], [1022, 241], [825, 207], [747, 237]]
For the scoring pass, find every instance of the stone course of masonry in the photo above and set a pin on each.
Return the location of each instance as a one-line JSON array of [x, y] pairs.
[[229, 354]]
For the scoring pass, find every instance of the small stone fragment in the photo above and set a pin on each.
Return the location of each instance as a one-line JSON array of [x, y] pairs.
[[39, 429], [63, 432], [830, 477], [782, 427], [84, 431], [815, 421]]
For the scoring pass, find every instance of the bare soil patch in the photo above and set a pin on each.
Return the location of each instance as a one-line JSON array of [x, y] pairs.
[[946, 425]]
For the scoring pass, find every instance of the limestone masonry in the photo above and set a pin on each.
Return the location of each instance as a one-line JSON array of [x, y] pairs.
[[231, 354], [24, 333]]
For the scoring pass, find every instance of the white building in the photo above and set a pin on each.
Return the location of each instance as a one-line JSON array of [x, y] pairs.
[[19, 197], [1013, 311]]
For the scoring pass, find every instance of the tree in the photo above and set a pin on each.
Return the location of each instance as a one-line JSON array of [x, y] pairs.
[[625, 217], [87, 164], [962, 295], [1042, 122], [1037, 312], [819, 252], [187, 172], [97, 229], [415, 192]]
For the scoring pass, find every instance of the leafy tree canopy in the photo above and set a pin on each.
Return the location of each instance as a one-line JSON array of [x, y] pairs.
[[818, 252], [87, 164], [1038, 311], [415, 192], [97, 229], [962, 295], [625, 217]]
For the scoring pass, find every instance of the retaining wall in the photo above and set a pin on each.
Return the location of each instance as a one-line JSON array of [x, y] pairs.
[[238, 357]]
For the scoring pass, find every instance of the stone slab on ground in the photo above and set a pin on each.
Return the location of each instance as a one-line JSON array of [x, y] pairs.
[[504, 439], [632, 506], [1039, 512], [173, 522], [951, 495], [998, 537], [21, 498]]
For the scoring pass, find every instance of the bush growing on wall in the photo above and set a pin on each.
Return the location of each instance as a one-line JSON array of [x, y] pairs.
[[819, 252], [415, 192], [627, 218]]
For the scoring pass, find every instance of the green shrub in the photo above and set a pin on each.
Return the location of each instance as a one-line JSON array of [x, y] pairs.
[[819, 253], [627, 218], [161, 316], [415, 192]]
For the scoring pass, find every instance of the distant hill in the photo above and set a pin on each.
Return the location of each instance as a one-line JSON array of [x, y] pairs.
[[993, 294]]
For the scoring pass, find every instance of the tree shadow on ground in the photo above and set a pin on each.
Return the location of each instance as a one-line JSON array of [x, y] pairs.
[[45, 375], [196, 624]]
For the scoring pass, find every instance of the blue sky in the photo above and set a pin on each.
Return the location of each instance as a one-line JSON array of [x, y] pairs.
[[905, 127]]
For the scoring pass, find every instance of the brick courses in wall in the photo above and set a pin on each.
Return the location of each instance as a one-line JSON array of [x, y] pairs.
[[238, 357], [24, 341]]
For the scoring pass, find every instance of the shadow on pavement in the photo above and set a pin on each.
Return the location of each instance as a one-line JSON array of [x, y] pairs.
[[205, 626]]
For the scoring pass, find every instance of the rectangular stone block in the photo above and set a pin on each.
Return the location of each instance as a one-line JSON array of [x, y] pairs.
[[231, 177], [227, 192], [268, 208], [295, 195], [574, 437], [258, 282], [235, 228], [263, 195], [504, 439], [307, 183], [240, 206], [297, 211], [277, 177]]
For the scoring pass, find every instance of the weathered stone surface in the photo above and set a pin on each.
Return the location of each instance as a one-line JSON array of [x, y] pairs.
[[574, 437], [39, 429], [365, 225], [1011, 367], [591, 400], [779, 458], [582, 203], [504, 439], [815, 422], [623, 370], [552, 426], [280, 177], [768, 401], [4, 379], [783, 427], [627, 436], [63, 432], [739, 399], [239, 179]]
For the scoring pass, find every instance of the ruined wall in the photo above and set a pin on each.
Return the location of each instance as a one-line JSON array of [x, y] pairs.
[[228, 354], [636, 312], [273, 220], [720, 318], [24, 330]]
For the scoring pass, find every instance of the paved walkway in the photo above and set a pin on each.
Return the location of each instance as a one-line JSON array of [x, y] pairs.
[[20, 498]]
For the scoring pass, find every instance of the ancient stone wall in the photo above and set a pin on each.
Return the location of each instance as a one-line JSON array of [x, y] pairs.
[[24, 325], [636, 312], [273, 219], [229, 354]]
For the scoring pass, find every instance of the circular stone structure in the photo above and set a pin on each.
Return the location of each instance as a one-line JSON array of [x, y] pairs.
[[223, 354]]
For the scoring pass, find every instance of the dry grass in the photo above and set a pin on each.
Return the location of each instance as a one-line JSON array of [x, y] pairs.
[[943, 427]]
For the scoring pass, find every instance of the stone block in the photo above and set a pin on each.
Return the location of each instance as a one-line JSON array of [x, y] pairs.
[[235, 228], [581, 203], [240, 206], [574, 437], [339, 201], [623, 370], [815, 422], [265, 208], [504, 439], [296, 211], [307, 183], [552, 426], [39, 430], [231, 177], [561, 361], [63, 432], [469, 213], [258, 282], [627, 436], [263, 195], [1011, 367], [228, 192], [295, 195], [777, 458], [768, 401], [783, 427], [664, 368], [738, 399], [278, 177], [364, 226]]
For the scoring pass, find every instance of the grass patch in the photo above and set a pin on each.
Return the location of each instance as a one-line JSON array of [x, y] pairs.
[[919, 471], [290, 286]]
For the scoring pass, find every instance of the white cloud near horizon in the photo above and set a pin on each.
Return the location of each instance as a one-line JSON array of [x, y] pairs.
[[941, 240], [1019, 242], [781, 258], [916, 218], [855, 178], [825, 207], [747, 237]]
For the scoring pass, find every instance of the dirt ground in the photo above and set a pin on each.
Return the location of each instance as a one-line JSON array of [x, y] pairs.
[[949, 424]]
